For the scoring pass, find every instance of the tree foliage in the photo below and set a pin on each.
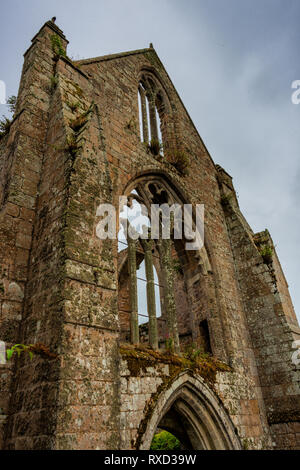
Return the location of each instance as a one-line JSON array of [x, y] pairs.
[[5, 122], [165, 441], [12, 103]]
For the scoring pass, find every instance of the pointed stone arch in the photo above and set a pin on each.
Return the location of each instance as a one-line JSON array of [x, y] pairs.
[[195, 270], [160, 85], [176, 195], [191, 411], [155, 111]]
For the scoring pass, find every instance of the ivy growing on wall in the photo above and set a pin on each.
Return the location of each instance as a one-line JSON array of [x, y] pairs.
[[57, 46]]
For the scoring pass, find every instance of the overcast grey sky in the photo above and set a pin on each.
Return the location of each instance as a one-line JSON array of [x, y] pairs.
[[232, 62]]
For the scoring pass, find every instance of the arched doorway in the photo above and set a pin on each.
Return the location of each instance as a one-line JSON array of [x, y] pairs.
[[191, 411]]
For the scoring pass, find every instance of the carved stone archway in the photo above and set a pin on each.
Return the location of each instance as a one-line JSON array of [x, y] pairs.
[[157, 188], [191, 411]]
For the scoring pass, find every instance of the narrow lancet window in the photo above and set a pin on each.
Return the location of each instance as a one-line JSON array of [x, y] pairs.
[[150, 107]]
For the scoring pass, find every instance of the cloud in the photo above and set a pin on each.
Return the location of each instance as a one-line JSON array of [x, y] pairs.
[[231, 61]]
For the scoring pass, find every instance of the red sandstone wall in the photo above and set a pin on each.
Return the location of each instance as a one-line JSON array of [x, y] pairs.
[[115, 85], [20, 176], [71, 292], [269, 313]]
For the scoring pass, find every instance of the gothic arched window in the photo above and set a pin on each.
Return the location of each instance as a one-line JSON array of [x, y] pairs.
[[154, 304], [151, 110]]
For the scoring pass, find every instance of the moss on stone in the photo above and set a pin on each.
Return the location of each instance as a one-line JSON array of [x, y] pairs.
[[78, 90], [180, 160], [57, 46], [139, 358]]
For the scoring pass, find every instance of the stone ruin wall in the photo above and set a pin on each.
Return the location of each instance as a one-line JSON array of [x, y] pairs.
[[59, 281]]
